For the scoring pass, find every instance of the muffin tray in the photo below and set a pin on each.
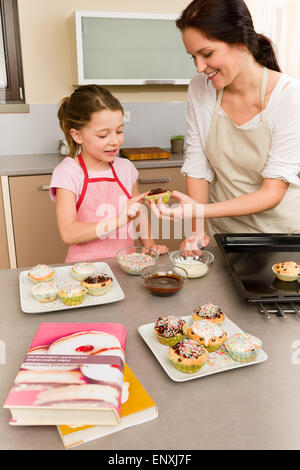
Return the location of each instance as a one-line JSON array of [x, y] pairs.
[[250, 258], [30, 305], [218, 361]]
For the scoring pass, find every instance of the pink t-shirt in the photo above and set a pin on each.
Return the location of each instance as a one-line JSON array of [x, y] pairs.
[[69, 175]]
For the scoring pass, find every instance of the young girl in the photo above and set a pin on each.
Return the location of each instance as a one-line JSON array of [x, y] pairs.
[[95, 192]]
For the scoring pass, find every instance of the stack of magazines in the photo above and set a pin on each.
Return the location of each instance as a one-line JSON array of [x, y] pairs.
[[74, 376]]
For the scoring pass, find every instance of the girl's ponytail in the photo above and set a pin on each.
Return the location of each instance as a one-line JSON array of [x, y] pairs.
[[64, 122]]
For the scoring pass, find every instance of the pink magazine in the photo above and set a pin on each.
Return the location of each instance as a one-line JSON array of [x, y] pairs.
[[73, 372]]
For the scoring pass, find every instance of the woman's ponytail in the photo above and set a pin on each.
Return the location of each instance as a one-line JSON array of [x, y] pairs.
[[264, 53]]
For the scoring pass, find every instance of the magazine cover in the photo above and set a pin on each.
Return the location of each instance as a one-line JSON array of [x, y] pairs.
[[72, 374]]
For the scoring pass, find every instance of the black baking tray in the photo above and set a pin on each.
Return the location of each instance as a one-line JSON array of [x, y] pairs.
[[250, 258]]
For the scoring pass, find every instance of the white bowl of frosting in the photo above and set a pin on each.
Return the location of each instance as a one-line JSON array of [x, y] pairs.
[[196, 265]]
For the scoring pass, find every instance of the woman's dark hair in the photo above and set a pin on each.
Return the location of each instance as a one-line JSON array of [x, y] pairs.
[[229, 21], [75, 111]]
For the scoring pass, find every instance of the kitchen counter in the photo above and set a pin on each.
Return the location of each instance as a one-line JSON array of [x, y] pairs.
[[254, 407], [41, 164]]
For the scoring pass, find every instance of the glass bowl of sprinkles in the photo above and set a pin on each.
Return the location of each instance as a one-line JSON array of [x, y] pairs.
[[134, 259]]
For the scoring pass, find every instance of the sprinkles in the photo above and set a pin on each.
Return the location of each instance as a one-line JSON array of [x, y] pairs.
[[189, 348], [134, 263], [209, 310], [169, 326]]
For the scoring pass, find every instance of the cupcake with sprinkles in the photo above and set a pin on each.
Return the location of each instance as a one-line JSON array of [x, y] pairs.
[[188, 356], [45, 292], [210, 336], [170, 330], [243, 347], [71, 293], [41, 273], [98, 284], [209, 312], [83, 270]]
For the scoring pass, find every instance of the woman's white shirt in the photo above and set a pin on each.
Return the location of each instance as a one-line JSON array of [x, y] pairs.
[[283, 116]]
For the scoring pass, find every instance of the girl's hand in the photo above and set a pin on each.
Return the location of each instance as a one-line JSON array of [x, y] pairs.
[[160, 249], [131, 209], [188, 207]]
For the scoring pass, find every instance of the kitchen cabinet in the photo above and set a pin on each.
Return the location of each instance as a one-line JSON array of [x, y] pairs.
[[4, 258], [165, 232], [37, 240]]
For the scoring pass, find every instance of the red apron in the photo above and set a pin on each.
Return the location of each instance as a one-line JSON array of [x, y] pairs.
[[100, 199]]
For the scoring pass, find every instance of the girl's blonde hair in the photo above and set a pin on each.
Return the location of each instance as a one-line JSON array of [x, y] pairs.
[[75, 111]]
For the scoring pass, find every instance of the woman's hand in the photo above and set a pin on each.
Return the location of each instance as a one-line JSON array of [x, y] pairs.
[[193, 245], [187, 208], [160, 249]]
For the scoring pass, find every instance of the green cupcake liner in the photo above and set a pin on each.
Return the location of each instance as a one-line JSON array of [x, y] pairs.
[[170, 341], [73, 300], [186, 368]]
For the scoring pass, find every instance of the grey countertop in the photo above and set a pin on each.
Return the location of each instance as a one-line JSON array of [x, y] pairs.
[[254, 407], [41, 164]]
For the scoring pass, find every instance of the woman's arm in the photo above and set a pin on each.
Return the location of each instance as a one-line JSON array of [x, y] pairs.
[[268, 196], [72, 231]]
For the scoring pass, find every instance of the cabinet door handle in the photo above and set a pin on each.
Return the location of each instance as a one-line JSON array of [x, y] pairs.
[[164, 179], [45, 187]]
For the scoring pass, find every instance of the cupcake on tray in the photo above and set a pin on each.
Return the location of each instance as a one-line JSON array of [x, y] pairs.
[[170, 330], [97, 284], [209, 335], [41, 273], [188, 356], [209, 312], [71, 293], [45, 291], [83, 270], [243, 347]]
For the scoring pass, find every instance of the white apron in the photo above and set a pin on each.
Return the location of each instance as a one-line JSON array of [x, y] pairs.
[[238, 157]]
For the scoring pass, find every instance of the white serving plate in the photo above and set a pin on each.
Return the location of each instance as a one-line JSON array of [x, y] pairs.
[[30, 305], [218, 361]]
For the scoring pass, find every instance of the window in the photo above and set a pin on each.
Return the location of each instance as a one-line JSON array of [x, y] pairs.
[[11, 75]]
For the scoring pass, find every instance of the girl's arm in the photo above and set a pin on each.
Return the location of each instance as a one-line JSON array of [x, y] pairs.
[[72, 231]]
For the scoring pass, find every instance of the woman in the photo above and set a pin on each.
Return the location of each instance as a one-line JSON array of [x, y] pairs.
[[243, 138]]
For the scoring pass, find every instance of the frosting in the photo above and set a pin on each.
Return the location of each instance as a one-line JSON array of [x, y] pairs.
[[243, 342], [45, 288], [101, 277], [188, 348], [169, 326], [84, 268], [40, 270], [206, 330], [208, 311], [70, 289], [193, 266], [289, 268]]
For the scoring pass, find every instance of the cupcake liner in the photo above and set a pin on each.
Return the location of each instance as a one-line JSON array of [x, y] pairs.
[[75, 300], [187, 369], [170, 341], [243, 357]]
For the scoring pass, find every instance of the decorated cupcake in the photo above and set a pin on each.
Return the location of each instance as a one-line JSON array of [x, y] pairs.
[[287, 271], [41, 273], [45, 291], [71, 293], [243, 347], [188, 356], [97, 284], [207, 334], [83, 270], [154, 194], [209, 312], [170, 329]]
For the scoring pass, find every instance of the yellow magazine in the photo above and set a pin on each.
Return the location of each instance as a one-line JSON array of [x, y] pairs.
[[138, 409]]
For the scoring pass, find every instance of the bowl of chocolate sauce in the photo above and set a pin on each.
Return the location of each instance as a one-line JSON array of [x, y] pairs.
[[163, 279]]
